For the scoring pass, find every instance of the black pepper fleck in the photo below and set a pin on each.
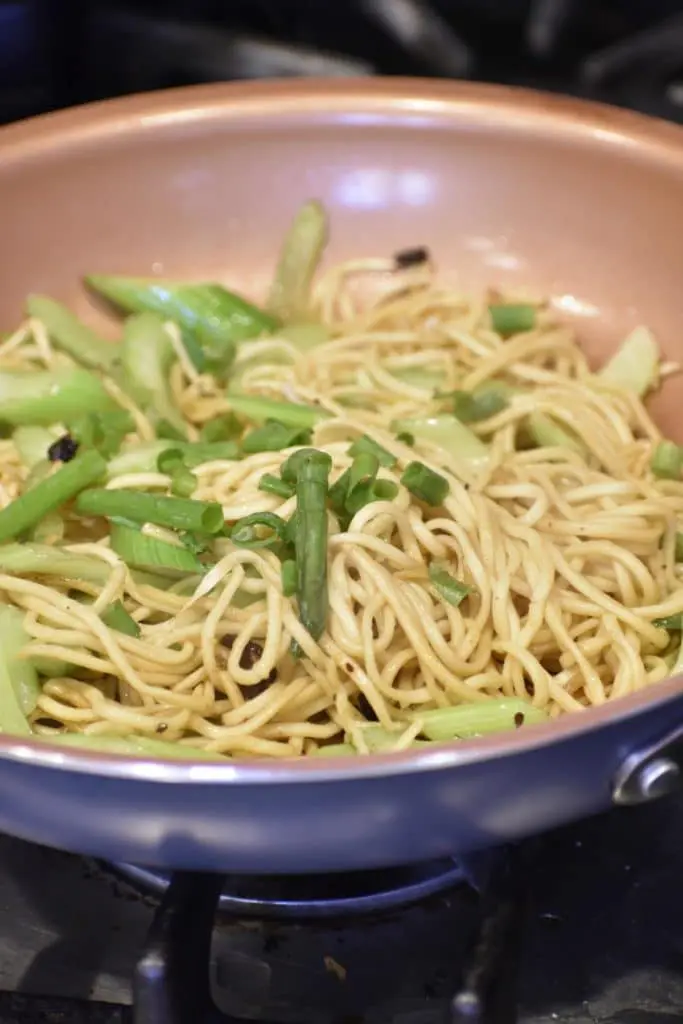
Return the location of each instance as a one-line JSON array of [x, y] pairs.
[[518, 719], [411, 257], [63, 449]]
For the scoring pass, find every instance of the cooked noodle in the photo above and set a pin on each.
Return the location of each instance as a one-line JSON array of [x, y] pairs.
[[569, 551]]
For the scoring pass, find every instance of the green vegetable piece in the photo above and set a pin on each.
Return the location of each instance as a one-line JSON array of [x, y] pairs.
[[678, 554], [221, 428], [71, 336], [288, 573], [546, 433], [272, 484], [405, 437], [216, 317], [475, 406], [50, 494], [425, 484], [467, 720], [365, 445], [674, 623], [305, 336], [133, 746], [146, 357], [447, 586], [311, 541], [635, 364], [32, 444], [139, 551], [449, 434], [183, 483], [104, 431], [116, 617], [260, 409], [140, 507], [301, 253], [512, 318], [667, 461], [244, 535], [18, 671], [44, 397], [289, 470], [274, 437], [45, 560]]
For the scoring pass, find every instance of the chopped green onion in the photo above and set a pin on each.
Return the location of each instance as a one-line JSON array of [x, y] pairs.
[[667, 461], [197, 453], [425, 484], [311, 541], [51, 493], [272, 484], [116, 617], [363, 470], [151, 554], [216, 317], [384, 490], [259, 409], [71, 336], [288, 573], [289, 470], [44, 397], [512, 318], [674, 623], [183, 483], [405, 437], [140, 507], [45, 560], [364, 445], [447, 586], [467, 720], [418, 377], [167, 431], [244, 535], [274, 437], [221, 428], [170, 460], [146, 357], [301, 253], [104, 431], [196, 544]]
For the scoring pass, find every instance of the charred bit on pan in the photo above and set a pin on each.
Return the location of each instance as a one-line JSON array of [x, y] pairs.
[[414, 257], [63, 449]]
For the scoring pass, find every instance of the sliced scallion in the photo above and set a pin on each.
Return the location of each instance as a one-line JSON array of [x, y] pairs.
[[447, 586], [512, 318], [425, 484], [667, 461]]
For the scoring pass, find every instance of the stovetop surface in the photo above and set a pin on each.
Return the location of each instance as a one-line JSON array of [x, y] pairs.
[[603, 941]]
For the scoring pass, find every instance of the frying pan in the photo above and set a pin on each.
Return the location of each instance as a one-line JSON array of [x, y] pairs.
[[506, 187]]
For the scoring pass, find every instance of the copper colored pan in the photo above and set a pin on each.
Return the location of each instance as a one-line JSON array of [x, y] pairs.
[[580, 201]]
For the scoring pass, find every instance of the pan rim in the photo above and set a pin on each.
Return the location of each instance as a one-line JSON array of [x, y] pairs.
[[414, 103]]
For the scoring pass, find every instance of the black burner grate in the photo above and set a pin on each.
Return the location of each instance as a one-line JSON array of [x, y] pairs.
[[173, 976]]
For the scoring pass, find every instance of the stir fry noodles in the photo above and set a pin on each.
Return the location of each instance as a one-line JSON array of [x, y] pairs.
[[333, 524]]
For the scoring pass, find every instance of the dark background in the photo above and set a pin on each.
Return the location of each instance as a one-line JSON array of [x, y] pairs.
[[55, 53]]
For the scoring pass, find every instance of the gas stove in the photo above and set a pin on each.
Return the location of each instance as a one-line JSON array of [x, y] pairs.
[[582, 925]]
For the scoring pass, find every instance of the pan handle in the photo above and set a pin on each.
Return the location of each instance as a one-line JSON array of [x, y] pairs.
[[652, 771]]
